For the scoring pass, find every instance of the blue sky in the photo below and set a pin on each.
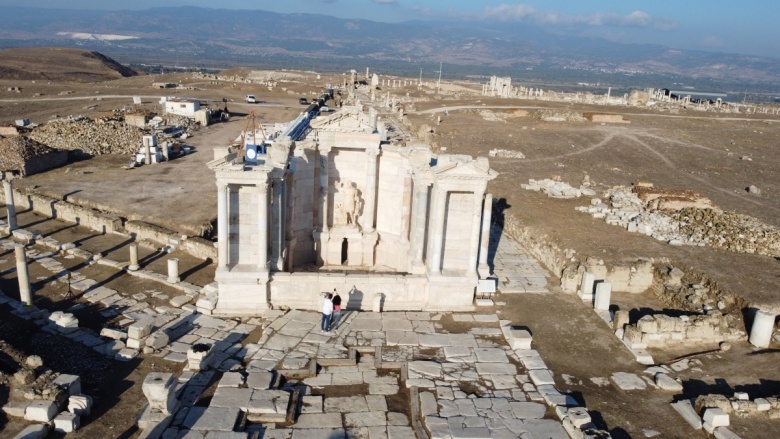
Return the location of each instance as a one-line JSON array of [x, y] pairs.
[[718, 25]]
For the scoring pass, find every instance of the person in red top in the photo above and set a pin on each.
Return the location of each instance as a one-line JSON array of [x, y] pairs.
[[334, 320]]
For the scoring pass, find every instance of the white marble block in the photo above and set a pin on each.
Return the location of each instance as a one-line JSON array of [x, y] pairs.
[[586, 287], [140, 329], [66, 422], [603, 296], [80, 405], [70, 382], [716, 417], [520, 339], [41, 411], [762, 329], [160, 389]]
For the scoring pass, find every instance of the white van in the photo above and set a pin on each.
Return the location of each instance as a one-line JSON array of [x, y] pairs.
[[250, 99]]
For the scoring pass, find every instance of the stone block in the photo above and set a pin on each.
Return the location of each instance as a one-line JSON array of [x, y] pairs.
[[762, 405], [716, 417], [113, 334], [39, 431], [647, 324], [133, 343], [603, 296], [578, 416], [126, 354], [140, 329], [41, 411], [520, 339], [312, 404], [686, 410], [620, 320], [199, 356], [160, 390], [66, 422], [71, 383], [80, 405], [158, 340], [665, 382]]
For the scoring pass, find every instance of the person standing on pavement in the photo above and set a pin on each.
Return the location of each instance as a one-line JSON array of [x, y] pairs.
[[334, 322], [327, 311]]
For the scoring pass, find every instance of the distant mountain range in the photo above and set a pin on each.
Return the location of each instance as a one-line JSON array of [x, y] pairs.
[[220, 38]]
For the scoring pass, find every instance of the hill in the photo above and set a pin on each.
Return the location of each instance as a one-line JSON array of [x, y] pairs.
[[60, 64], [216, 38]]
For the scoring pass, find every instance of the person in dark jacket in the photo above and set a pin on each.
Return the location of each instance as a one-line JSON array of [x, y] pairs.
[[334, 321]]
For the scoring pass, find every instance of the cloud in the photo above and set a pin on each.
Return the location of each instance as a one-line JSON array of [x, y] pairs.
[[387, 2], [526, 13]]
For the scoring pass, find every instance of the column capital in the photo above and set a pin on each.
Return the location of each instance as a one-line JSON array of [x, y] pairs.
[[262, 187], [372, 152], [222, 186], [323, 149]]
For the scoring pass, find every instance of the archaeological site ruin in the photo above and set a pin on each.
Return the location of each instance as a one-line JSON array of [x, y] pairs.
[[504, 259]]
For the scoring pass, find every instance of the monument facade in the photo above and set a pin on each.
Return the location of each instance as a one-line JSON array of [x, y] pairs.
[[330, 205]]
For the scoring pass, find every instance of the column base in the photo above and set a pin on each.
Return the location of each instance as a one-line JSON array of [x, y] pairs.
[[133, 267], [484, 271]]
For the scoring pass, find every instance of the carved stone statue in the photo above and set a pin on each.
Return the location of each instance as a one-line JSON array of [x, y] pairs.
[[347, 209]]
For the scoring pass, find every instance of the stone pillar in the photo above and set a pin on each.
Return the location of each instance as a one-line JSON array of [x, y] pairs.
[[9, 205], [586, 286], [277, 225], [173, 271], [25, 294], [419, 216], [133, 257], [147, 153], [476, 226], [437, 231], [369, 198], [603, 296], [484, 244], [762, 329], [222, 225], [323, 193], [262, 226]]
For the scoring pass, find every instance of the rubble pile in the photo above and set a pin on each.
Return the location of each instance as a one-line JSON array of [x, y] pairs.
[[506, 154], [557, 189], [700, 226], [557, 116], [729, 231], [16, 151], [660, 330], [90, 137], [740, 405]]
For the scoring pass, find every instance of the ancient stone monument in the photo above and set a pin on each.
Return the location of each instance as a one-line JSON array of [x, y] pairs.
[[332, 206]]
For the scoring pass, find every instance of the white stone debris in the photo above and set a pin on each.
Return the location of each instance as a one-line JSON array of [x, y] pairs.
[[557, 189]]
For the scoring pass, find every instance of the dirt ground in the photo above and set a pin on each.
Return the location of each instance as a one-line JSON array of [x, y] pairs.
[[707, 153]]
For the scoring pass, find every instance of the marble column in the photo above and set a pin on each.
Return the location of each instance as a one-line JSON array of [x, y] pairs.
[[133, 257], [762, 329], [277, 224], [437, 231], [222, 225], [173, 271], [369, 198], [419, 215], [262, 226], [9, 205], [476, 226], [323, 191], [484, 244], [23, 276]]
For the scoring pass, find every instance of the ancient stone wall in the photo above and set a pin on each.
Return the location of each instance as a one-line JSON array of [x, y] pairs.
[[661, 330]]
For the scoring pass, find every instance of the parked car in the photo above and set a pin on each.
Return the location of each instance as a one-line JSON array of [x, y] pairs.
[[324, 109], [303, 101], [250, 99]]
